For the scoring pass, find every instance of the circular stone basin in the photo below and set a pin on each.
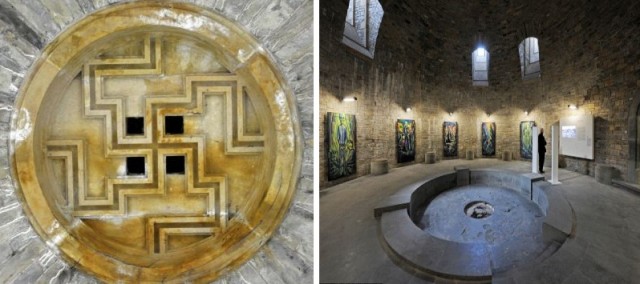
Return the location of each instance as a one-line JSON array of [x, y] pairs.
[[446, 228], [512, 217], [478, 209]]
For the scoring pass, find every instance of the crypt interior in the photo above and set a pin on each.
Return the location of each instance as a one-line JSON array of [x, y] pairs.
[[428, 141]]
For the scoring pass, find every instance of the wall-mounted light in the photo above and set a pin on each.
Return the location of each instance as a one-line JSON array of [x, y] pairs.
[[408, 109], [451, 114], [572, 107], [349, 99], [526, 113]]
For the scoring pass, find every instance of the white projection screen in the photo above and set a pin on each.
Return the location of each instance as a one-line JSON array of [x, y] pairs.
[[576, 136]]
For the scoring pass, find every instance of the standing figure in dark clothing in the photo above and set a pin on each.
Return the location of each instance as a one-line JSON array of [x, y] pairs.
[[541, 149]]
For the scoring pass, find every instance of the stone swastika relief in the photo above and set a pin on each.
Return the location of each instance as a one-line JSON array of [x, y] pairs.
[[155, 153]]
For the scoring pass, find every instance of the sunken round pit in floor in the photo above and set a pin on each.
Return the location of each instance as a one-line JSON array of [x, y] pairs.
[[475, 224], [499, 217], [478, 209]]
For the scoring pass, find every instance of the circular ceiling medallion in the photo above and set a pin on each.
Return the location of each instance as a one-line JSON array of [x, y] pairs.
[[155, 141]]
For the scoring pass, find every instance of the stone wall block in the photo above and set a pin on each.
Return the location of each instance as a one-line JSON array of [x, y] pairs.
[[37, 17], [295, 268], [63, 12]]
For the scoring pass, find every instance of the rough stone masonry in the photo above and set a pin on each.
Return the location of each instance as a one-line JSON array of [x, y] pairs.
[[589, 57]]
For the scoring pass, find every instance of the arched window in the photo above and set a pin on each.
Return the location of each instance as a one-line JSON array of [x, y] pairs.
[[480, 66], [362, 25], [529, 58]]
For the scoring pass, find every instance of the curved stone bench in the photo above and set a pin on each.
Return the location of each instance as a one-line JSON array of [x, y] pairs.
[[402, 238], [420, 252], [379, 167]]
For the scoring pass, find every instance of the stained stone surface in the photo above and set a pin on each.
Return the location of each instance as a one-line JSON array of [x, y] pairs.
[[284, 30], [513, 232], [513, 216]]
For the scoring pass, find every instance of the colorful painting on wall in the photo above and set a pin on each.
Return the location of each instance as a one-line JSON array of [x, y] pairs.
[[526, 138], [341, 144], [488, 138], [450, 138], [406, 140]]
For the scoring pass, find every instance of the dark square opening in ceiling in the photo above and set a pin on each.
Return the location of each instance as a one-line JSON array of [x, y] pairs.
[[175, 164], [135, 126], [173, 125], [135, 166]]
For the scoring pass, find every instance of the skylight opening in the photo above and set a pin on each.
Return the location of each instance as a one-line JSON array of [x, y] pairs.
[[480, 67], [529, 58], [361, 26]]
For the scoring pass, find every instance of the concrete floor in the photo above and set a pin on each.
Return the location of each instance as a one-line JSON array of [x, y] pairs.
[[606, 248]]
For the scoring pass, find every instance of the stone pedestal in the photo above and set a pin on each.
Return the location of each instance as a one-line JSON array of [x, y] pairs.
[[379, 167], [430, 158], [506, 156], [534, 150], [605, 173], [469, 155]]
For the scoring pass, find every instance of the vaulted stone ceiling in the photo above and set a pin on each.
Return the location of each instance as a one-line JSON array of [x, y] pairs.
[[588, 55], [439, 35]]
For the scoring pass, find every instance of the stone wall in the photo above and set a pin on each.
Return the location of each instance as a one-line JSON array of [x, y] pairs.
[[285, 28], [589, 57]]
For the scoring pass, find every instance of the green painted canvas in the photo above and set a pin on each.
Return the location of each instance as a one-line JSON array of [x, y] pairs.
[[488, 138], [450, 138], [526, 138], [341, 144], [405, 140]]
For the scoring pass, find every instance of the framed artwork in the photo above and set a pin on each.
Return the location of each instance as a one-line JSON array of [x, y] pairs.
[[526, 138], [405, 140], [341, 152], [488, 138], [450, 138]]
